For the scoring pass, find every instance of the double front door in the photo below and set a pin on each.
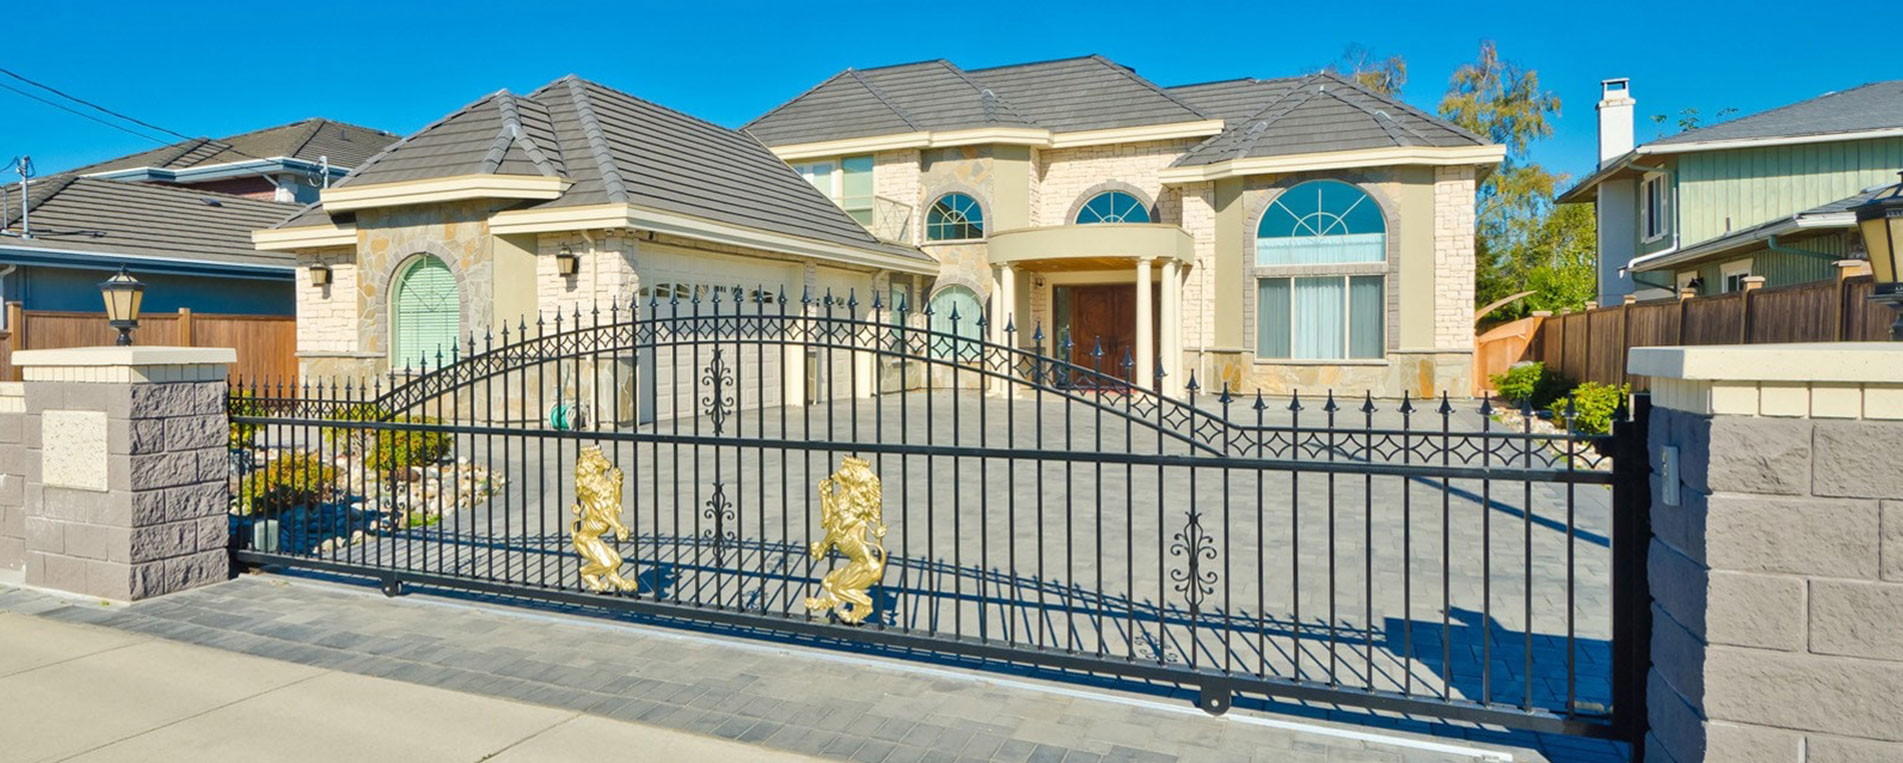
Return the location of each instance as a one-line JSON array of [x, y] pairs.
[[1106, 313]]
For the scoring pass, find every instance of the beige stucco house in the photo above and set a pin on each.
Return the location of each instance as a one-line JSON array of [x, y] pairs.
[[1298, 233]]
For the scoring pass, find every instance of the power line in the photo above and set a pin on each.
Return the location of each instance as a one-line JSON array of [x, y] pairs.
[[82, 101], [76, 112]]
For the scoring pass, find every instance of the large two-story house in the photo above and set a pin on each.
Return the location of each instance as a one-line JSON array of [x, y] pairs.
[[1295, 233], [1763, 195]]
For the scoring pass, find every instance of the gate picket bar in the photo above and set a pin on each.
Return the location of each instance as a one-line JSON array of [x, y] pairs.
[[1035, 511]]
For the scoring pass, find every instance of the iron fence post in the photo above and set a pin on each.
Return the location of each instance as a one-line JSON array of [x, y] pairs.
[[1631, 592]]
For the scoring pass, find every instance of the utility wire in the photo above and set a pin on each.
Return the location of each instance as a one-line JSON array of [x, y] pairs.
[[77, 112], [84, 102]]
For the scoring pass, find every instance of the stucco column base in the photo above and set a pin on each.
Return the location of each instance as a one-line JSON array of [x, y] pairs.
[[126, 469], [1776, 560]]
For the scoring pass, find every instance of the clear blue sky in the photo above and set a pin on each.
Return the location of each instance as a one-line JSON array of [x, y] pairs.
[[200, 69]]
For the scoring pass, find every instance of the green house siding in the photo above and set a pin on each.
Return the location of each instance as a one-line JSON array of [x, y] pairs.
[[1719, 191], [1781, 268]]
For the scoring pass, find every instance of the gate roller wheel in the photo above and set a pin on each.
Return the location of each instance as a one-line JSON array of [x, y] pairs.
[[392, 587], [1214, 701]]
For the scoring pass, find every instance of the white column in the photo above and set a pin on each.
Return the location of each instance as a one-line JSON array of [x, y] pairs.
[[1145, 370], [1173, 380], [1004, 300]]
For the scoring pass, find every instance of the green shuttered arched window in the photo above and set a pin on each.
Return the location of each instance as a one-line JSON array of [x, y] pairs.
[[425, 310]]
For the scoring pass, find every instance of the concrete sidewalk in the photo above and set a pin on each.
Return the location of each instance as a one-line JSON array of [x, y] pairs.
[[85, 693]]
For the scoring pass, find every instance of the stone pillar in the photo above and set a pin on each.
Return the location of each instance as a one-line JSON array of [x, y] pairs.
[[126, 469], [1146, 340], [1776, 562], [12, 476], [1172, 345]]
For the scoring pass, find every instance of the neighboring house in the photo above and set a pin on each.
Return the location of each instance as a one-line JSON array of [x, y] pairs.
[[190, 247], [459, 230], [288, 163], [1298, 233], [1762, 195]]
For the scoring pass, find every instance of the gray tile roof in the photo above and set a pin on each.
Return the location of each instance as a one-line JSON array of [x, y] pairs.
[[1265, 117], [614, 147], [92, 215], [1875, 106], [1321, 113], [346, 145]]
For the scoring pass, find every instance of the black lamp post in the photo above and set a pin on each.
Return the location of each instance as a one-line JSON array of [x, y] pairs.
[[1881, 220], [123, 294]]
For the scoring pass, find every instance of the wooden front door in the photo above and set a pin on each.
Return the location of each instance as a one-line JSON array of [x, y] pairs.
[[1107, 313]]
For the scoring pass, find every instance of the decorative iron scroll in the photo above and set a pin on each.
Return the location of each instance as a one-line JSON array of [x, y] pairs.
[[719, 401], [852, 518], [597, 511]]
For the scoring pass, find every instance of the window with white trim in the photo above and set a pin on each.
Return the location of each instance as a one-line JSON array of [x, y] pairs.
[[1655, 207], [847, 181], [1321, 253], [1733, 274]]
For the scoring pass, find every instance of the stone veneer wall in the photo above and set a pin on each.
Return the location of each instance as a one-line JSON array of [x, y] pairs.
[[1454, 258], [1777, 579], [1067, 175]]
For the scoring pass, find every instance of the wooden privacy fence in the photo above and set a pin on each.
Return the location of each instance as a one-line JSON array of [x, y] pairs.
[[266, 344], [1591, 345]]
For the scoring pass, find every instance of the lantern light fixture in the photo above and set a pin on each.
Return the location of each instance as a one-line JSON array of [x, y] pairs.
[[320, 274], [1880, 220], [566, 262], [122, 294]]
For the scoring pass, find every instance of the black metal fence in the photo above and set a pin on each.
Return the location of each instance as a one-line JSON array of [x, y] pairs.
[[1414, 556]]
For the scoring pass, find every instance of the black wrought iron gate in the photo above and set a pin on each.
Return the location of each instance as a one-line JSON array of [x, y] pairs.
[[1416, 556]]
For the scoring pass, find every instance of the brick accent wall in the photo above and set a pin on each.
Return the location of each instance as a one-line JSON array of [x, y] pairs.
[[1777, 579], [1454, 258]]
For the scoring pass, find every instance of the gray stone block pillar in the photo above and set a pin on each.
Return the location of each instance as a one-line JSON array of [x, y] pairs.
[[12, 477], [124, 458], [1777, 552]]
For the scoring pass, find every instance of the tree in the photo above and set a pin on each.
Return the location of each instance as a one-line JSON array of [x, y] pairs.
[[1383, 75], [1688, 118], [1522, 242]]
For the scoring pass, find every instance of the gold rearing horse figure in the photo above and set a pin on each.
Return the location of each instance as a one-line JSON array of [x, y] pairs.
[[851, 516]]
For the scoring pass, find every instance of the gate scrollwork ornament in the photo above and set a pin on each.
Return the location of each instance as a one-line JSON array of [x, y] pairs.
[[852, 519], [597, 512]]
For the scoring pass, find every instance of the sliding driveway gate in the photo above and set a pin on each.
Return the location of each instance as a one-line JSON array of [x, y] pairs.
[[1411, 556]]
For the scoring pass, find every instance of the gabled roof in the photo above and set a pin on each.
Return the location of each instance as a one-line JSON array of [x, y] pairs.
[[1875, 106], [311, 140], [72, 213], [612, 147], [1321, 113], [1237, 99]]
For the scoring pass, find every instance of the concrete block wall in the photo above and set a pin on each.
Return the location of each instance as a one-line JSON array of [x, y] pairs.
[[1777, 554], [12, 476], [125, 469]]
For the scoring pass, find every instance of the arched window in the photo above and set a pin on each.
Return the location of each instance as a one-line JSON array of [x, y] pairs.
[[962, 302], [1321, 222], [954, 217], [425, 313], [1113, 207], [1340, 313]]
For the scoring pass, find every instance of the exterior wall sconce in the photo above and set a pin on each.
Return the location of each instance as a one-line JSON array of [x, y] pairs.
[[320, 274], [1881, 221], [122, 293], [566, 262]]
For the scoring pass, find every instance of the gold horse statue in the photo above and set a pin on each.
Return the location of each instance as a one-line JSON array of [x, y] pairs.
[[597, 511], [850, 513]]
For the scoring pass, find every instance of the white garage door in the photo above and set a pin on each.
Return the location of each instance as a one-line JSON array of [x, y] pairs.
[[720, 367]]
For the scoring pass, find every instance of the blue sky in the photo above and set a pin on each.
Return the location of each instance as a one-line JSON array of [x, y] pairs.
[[202, 69]]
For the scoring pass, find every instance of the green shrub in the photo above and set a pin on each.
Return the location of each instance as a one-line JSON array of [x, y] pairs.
[[291, 479], [354, 440], [1593, 406], [1530, 384], [402, 449], [243, 403]]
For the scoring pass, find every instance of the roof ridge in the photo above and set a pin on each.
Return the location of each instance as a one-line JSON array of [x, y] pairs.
[[1794, 104], [179, 190], [1259, 122], [880, 95], [512, 134], [1036, 63], [1396, 131], [1405, 107], [534, 149], [405, 140], [995, 99], [611, 181], [1145, 82], [791, 101]]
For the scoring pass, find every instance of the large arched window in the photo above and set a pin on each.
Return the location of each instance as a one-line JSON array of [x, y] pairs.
[[963, 303], [1113, 207], [424, 313], [954, 217], [1339, 313]]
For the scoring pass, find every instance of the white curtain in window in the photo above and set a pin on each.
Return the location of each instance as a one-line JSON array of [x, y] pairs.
[[1320, 317], [1366, 312], [1322, 250]]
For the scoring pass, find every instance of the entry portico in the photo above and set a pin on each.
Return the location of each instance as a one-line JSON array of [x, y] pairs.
[[1084, 263]]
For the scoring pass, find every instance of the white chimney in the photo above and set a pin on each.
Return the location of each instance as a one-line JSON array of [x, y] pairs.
[[1615, 119]]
